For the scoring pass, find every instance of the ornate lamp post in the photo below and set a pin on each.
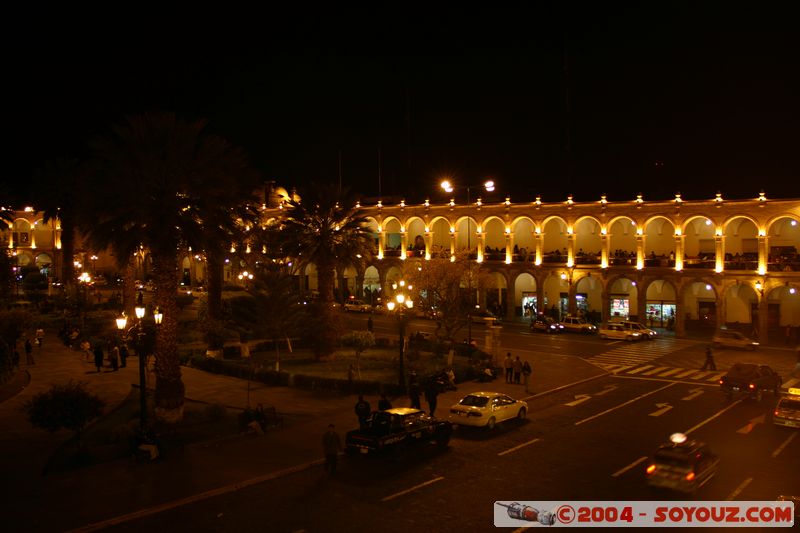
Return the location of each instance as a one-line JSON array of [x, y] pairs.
[[122, 322], [448, 187], [399, 306], [85, 280]]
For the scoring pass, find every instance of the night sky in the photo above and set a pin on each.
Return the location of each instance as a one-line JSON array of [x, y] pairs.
[[656, 99]]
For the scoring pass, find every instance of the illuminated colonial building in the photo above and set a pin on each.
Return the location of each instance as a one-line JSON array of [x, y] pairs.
[[679, 263]]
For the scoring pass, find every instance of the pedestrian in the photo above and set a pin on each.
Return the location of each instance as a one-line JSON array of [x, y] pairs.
[[414, 392], [370, 324], [123, 355], [431, 393], [331, 444], [98, 357], [508, 364], [384, 403], [709, 364], [517, 370], [363, 411], [113, 357], [39, 337], [526, 374], [29, 352]]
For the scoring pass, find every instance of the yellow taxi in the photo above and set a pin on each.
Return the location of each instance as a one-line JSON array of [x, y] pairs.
[[787, 412], [682, 465]]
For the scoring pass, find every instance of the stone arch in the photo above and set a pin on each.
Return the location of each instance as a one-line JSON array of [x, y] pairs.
[[554, 240], [495, 239], [556, 295], [588, 241], [525, 296], [783, 233], [466, 235], [659, 243], [392, 238], [661, 303], [589, 297], [699, 303], [415, 236], [699, 239], [623, 298], [440, 245], [783, 313], [622, 241], [522, 228], [496, 294], [741, 305], [741, 242]]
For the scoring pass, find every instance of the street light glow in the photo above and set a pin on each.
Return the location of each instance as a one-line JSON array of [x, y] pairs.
[[139, 312]]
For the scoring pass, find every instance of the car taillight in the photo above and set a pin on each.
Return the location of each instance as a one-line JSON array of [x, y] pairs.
[[690, 476], [752, 386], [651, 469], [722, 382], [776, 412]]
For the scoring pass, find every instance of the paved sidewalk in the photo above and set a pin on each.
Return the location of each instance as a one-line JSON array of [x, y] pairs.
[[100, 492]]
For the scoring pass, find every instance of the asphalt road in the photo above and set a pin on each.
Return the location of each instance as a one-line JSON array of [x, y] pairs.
[[584, 443]]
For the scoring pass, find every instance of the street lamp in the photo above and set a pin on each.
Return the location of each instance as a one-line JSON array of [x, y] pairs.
[[122, 322], [401, 303], [85, 280], [448, 187]]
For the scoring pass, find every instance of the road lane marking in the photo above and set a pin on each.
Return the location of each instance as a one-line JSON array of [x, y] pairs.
[[716, 377], [515, 448], [669, 372], [739, 489], [712, 417], [703, 374], [632, 465], [640, 378], [663, 408], [785, 443], [655, 371], [606, 389], [640, 369], [579, 399], [412, 489], [598, 415], [613, 343], [789, 383], [684, 374], [694, 393], [538, 394], [750, 425]]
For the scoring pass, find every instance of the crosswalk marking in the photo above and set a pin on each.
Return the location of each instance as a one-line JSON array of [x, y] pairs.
[[655, 371], [684, 374], [669, 372], [716, 377], [673, 372], [790, 383], [640, 352], [703, 375], [640, 369]]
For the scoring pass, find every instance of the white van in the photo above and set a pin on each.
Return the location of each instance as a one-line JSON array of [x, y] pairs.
[[637, 327]]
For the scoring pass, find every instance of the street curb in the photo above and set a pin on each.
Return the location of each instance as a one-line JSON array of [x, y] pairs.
[[233, 487]]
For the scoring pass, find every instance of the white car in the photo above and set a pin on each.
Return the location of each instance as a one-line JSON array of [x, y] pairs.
[[618, 331], [486, 409], [732, 339], [573, 324], [646, 333], [357, 305]]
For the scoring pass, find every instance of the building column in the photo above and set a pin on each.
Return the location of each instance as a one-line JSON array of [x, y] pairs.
[[540, 305], [572, 302], [381, 243], [570, 249], [509, 248], [605, 303], [403, 244], [605, 249], [359, 284], [539, 240], [641, 301], [763, 319], [763, 253], [722, 310], [511, 298], [678, 254], [428, 244], [639, 251], [719, 253], [481, 246], [453, 242]]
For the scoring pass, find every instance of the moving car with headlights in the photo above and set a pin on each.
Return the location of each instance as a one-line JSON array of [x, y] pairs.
[[618, 331], [574, 324], [398, 428], [484, 317], [487, 409], [750, 380], [545, 324], [636, 327], [732, 339], [787, 412], [357, 305], [682, 465]]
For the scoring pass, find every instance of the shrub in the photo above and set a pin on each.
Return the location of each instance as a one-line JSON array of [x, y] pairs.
[[68, 406]]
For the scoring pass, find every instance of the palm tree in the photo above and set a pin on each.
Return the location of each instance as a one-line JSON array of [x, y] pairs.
[[326, 229], [161, 182]]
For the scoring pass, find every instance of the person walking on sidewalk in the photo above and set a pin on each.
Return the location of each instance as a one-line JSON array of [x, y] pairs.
[[113, 356], [517, 370], [98, 357], [370, 324], [413, 391], [526, 374], [508, 364], [123, 355], [363, 411], [709, 364], [431, 393], [331, 444], [39, 337], [29, 352]]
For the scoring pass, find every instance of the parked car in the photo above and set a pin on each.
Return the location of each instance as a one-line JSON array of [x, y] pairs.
[[574, 324], [682, 465], [486, 409], [751, 380], [357, 305], [397, 428], [732, 339], [618, 331], [545, 324]]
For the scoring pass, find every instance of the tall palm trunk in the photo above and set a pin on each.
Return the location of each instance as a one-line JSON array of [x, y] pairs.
[[67, 249], [327, 328], [214, 274], [169, 386]]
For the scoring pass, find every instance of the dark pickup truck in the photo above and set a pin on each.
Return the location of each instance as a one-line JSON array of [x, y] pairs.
[[751, 380], [396, 428]]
